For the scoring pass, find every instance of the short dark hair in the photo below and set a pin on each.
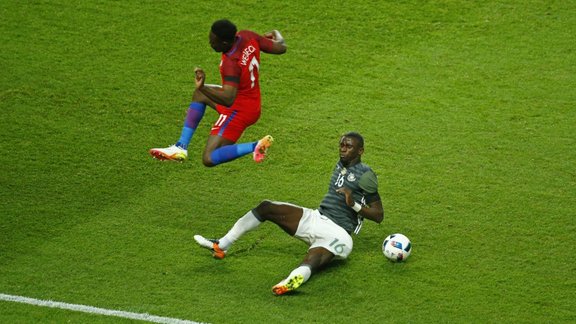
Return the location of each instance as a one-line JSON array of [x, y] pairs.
[[356, 136], [224, 29]]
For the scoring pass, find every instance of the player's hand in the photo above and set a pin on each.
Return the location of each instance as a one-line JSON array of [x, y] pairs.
[[348, 194], [270, 35], [274, 35], [200, 77], [279, 45]]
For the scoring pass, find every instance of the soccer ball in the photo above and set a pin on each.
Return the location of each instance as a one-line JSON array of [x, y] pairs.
[[396, 247]]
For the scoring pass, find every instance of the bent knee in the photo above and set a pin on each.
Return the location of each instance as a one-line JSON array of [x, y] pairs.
[[265, 204], [265, 207], [198, 96], [207, 161]]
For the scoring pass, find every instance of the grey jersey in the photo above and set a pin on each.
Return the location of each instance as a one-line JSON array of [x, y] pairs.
[[363, 183]]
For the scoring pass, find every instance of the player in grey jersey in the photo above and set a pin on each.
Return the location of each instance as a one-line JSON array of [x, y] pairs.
[[363, 185], [352, 196]]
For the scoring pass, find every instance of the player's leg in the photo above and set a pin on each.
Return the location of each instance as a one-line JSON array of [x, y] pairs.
[[287, 216], [219, 247], [315, 259], [327, 241], [221, 146], [194, 114], [220, 150]]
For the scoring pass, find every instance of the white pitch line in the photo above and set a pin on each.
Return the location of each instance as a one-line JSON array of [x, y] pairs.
[[95, 310]]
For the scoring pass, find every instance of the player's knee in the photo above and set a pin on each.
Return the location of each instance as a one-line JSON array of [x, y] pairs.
[[264, 204], [266, 207], [207, 161], [317, 258], [198, 96]]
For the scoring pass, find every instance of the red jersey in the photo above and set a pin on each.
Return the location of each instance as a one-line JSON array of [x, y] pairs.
[[239, 66]]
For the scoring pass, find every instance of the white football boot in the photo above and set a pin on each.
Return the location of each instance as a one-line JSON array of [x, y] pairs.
[[211, 245], [172, 153]]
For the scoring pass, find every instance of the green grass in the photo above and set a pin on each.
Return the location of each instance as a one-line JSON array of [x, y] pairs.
[[468, 113]]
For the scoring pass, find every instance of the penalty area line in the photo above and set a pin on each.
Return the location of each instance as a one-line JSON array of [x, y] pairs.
[[94, 310]]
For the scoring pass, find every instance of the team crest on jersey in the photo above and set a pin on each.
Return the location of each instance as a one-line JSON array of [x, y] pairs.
[[351, 177]]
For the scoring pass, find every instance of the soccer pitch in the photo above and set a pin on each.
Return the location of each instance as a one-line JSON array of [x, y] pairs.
[[467, 110]]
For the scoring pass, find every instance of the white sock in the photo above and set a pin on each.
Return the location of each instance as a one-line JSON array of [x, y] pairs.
[[303, 270], [243, 225]]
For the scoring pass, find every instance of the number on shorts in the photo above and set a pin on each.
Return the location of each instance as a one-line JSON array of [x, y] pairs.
[[220, 120], [339, 248]]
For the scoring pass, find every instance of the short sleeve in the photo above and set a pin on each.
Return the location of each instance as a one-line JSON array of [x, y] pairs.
[[369, 184]]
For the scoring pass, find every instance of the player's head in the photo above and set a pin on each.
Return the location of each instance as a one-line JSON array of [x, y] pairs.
[[351, 148], [222, 35]]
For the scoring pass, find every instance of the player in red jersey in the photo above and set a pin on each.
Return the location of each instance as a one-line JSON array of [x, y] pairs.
[[237, 100]]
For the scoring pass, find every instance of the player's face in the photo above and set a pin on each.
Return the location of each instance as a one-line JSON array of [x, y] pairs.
[[217, 44], [350, 151]]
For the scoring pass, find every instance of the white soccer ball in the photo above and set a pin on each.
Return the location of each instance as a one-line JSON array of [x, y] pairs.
[[396, 247]]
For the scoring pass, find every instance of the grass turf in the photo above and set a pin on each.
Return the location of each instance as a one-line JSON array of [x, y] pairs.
[[468, 114]]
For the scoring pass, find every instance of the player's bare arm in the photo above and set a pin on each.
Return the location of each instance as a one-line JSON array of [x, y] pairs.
[[224, 95], [374, 211], [279, 43]]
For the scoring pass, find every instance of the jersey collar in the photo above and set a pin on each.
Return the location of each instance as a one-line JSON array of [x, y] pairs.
[[235, 46]]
